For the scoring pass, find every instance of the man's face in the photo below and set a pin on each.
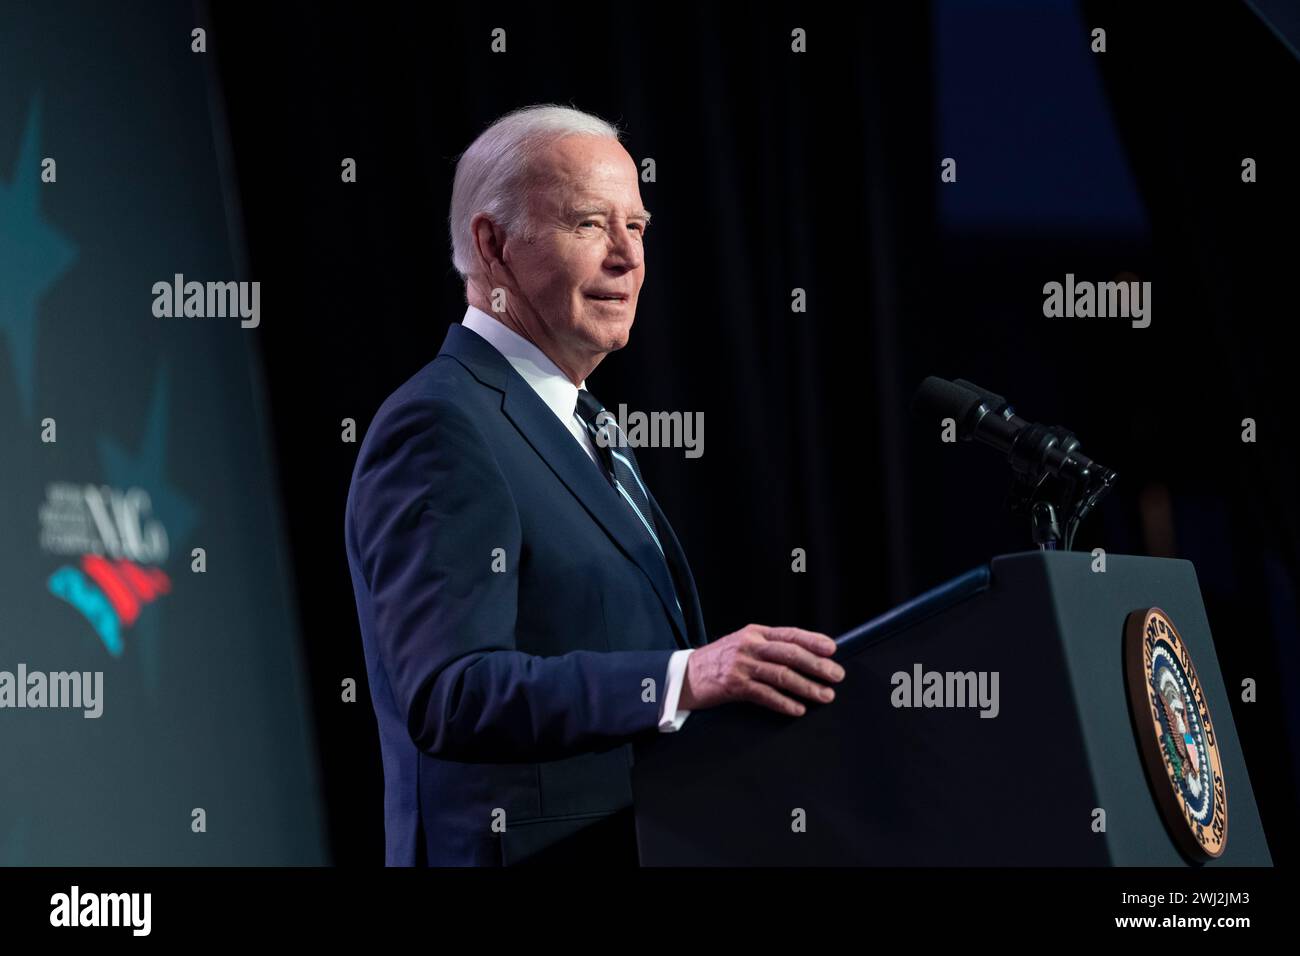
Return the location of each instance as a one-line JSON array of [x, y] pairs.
[[588, 231]]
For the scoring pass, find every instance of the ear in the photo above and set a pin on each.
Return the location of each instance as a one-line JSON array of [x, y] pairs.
[[489, 242]]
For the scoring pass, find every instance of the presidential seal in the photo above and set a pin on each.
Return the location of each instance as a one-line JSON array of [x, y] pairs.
[[1175, 734]]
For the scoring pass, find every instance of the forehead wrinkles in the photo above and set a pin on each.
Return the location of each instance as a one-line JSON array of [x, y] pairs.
[[604, 194], [561, 182]]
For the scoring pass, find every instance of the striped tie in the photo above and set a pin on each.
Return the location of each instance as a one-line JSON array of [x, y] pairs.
[[620, 465]]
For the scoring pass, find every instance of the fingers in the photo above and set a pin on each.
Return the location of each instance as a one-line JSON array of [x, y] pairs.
[[780, 676], [765, 696], [814, 641], [767, 666], [794, 655]]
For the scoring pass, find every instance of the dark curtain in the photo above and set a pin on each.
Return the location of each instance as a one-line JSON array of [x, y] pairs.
[[775, 171]]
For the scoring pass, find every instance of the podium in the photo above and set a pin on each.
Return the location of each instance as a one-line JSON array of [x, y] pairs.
[[1066, 769]]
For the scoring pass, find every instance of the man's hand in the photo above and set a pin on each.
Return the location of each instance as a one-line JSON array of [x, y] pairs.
[[756, 664]]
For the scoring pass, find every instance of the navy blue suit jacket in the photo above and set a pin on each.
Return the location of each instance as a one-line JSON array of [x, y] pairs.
[[512, 610]]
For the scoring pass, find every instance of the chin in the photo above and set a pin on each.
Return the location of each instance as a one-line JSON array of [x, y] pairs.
[[623, 335], [611, 336], [615, 342]]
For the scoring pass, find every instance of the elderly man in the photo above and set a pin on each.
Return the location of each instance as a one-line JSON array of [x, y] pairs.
[[526, 610]]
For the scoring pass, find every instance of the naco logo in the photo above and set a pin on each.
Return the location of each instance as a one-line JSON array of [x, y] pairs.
[[120, 546]]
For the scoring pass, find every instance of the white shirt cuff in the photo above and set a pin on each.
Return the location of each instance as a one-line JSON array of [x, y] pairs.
[[670, 717]]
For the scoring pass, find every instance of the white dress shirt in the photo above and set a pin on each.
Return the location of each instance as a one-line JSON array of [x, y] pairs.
[[561, 396]]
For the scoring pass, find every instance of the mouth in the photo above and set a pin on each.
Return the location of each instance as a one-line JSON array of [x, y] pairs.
[[613, 298]]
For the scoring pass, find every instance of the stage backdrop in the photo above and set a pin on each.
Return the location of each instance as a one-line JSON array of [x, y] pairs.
[[139, 533]]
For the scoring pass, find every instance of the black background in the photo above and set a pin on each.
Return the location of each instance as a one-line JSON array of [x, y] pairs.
[[778, 171]]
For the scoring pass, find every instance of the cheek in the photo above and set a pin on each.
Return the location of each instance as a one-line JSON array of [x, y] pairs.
[[586, 263], [570, 267], [554, 271], [581, 270]]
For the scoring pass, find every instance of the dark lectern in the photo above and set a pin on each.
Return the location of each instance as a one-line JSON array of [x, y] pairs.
[[1055, 775]]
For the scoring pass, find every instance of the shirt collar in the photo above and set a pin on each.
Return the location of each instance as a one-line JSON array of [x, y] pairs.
[[551, 385]]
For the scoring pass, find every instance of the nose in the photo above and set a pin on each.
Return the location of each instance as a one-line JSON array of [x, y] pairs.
[[625, 245]]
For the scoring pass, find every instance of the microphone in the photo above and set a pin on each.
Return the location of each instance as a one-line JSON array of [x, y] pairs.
[[986, 417], [1036, 453], [992, 400]]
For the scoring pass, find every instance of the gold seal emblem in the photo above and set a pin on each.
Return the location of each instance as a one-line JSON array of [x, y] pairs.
[[1175, 734]]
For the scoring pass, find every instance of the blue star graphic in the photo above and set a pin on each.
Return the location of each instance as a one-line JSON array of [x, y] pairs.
[[32, 257], [177, 514], [145, 470]]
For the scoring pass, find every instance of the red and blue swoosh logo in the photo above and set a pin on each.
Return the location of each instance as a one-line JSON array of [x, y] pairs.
[[110, 594]]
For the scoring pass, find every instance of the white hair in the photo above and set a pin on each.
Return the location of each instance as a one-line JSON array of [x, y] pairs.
[[494, 174]]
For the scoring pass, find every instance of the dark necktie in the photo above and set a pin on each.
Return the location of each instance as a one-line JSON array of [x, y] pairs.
[[620, 466]]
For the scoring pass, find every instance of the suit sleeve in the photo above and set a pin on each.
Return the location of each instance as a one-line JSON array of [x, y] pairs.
[[430, 508]]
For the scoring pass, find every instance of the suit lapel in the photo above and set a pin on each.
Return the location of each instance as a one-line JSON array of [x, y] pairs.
[[697, 636], [563, 455]]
